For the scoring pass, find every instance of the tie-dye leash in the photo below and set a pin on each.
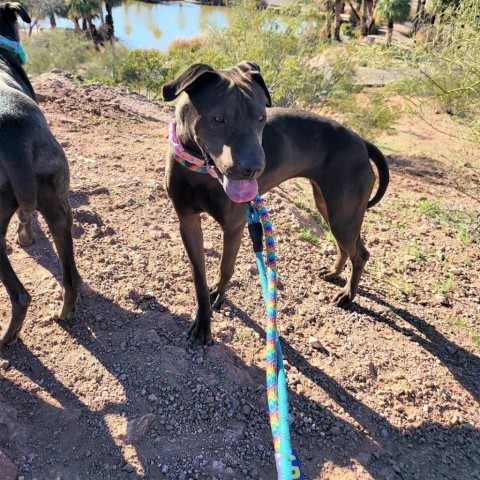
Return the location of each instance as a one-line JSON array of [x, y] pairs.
[[286, 459]]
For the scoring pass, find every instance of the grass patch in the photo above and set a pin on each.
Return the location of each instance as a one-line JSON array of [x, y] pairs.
[[309, 235], [444, 285], [464, 224]]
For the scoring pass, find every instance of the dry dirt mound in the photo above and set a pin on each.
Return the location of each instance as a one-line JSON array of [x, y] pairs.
[[387, 390]]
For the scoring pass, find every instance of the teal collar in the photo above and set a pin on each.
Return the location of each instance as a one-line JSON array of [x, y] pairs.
[[13, 47]]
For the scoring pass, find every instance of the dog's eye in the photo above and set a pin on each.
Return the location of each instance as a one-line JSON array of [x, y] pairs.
[[219, 119], [262, 118]]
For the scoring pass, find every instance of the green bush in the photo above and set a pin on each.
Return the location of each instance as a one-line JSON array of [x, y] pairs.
[[144, 70], [105, 65], [61, 49]]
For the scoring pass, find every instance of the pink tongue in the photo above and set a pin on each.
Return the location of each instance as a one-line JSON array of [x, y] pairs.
[[240, 191]]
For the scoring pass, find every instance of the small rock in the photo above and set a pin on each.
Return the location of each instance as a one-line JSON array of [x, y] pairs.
[[137, 428], [129, 468], [4, 364], [218, 465], [314, 342], [372, 370], [7, 468], [152, 336]]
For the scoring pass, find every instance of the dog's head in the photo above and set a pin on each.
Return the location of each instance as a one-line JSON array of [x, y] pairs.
[[224, 114], [8, 19]]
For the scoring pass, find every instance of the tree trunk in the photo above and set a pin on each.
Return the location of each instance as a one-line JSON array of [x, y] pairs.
[[338, 19], [76, 24], [109, 21], [100, 12], [355, 17], [370, 17], [327, 28], [363, 18], [389, 32], [53, 23]]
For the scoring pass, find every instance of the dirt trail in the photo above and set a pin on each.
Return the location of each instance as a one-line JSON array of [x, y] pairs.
[[387, 390]]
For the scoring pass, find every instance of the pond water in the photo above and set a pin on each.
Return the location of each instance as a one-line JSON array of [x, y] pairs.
[[147, 25]]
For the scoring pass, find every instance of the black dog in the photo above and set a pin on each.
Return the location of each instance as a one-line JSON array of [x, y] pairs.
[[33, 174], [222, 121]]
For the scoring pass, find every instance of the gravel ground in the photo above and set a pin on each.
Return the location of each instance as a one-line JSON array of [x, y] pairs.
[[387, 390]]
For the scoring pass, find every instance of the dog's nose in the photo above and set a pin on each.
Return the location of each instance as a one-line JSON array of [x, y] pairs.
[[250, 173], [251, 168]]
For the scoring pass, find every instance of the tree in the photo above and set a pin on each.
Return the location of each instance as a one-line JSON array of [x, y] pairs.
[[40, 9], [338, 7], [392, 11], [109, 5], [367, 19], [84, 9]]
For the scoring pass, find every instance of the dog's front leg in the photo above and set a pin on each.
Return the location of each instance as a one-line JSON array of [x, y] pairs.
[[192, 237], [232, 239]]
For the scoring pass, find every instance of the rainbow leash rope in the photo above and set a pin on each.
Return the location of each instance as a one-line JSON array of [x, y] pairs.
[[286, 459]]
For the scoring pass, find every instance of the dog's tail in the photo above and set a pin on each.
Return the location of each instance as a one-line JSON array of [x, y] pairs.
[[19, 170], [383, 174]]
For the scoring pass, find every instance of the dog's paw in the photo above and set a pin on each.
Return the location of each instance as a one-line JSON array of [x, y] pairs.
[[66, 314], [216, 298], [199, 336], [343, 299], [9, 339], [328, 274]]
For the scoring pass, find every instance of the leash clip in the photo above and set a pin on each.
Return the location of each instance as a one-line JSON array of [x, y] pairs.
[[255, 228]]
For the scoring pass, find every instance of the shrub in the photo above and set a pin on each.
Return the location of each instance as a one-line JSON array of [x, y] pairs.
[[61, 49]]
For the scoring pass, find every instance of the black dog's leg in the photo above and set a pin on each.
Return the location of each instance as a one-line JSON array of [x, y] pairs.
[[347, 235], [56, 210], [232, 239], [329, 273], [192, 237], [19, 297], [25, 233]]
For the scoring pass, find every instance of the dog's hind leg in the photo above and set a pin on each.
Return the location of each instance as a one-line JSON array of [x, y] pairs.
[[232, 239], [19, 297], [342, 256], [25, 235], [359, 256], [53, 204]]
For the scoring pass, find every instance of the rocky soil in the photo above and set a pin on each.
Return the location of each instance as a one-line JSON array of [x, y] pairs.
[[387, 390]]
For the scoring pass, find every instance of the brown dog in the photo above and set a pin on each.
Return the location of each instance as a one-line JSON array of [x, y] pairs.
[[222, 121], [33, 174]]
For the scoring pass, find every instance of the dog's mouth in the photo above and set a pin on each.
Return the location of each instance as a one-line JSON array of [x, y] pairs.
[[239, 191]]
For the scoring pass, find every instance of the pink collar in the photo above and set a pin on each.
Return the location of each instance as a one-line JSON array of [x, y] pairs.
[[189, 161]]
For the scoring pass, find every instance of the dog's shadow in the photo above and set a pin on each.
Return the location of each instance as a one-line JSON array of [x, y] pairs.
[[462, 364]]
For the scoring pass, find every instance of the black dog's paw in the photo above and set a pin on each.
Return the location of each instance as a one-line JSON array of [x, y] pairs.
[[199, 335], [328, 274], [343, 299], [216, 298]]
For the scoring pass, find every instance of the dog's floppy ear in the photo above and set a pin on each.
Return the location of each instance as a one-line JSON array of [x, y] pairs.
[[248, 67], [187, 81], [254, 70], [19, 10]]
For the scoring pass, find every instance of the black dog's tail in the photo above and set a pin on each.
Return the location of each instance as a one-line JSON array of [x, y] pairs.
[[383, 174], [19, 170]]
